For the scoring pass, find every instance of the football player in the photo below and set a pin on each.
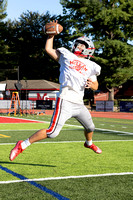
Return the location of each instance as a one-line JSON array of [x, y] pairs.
[[77, 72]]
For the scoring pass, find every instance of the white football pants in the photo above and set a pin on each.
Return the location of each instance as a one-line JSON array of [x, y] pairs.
[[64, 110]]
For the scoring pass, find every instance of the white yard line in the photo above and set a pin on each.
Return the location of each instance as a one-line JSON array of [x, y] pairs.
[[34, 120], [71, 142], [128, 133], [77, 126], [68, 177], [101, 129], [70, 125]]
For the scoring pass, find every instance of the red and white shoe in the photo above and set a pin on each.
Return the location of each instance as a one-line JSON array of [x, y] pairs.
[[16, 151], [94, 148]]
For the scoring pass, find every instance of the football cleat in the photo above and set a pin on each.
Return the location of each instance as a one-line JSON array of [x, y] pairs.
[[16, 151], [94, 148]]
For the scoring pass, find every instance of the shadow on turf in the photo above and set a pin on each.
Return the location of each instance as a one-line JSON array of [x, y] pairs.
[[31, 164]]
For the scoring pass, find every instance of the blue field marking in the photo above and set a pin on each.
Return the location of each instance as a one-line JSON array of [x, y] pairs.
[[54, 194]]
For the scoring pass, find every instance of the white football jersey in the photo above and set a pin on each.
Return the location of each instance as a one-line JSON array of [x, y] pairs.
[[74, 72]]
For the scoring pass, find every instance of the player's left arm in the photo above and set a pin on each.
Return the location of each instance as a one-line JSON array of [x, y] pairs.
[[91, 84]]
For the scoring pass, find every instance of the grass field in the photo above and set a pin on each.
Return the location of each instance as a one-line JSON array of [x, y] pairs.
[[61, 168]]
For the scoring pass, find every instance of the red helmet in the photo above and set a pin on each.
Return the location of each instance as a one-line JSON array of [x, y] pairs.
[[88, 51]]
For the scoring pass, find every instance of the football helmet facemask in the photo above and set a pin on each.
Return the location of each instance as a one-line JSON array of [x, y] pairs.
[[88, 51]]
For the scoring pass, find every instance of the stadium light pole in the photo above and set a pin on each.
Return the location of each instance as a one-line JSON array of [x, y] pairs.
[[18, 74]]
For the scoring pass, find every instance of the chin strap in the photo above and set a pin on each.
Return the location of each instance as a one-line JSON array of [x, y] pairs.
[[79, 53]]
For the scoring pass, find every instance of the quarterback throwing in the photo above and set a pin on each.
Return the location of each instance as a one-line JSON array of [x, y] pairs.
[[77, 72]]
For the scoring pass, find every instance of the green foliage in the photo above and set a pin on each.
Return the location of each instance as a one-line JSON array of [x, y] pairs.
[[116, 61], [25, 40], [109, 23], [3, 46], [3, 5]]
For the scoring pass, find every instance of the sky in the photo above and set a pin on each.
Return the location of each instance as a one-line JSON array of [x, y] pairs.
[[16, 7]]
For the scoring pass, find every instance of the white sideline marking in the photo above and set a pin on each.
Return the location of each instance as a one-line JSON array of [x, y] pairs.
[[67, 177], [71, 142], [72, 125], [34, 120], [101, 129], [128, 133]]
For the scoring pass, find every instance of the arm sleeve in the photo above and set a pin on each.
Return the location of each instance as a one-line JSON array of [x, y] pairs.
[[93, 78], [97, 69]]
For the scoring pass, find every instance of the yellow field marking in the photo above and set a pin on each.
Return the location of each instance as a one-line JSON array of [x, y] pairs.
[[4, 136]]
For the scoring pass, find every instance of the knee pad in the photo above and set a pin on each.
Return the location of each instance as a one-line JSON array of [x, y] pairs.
[[90, 128]]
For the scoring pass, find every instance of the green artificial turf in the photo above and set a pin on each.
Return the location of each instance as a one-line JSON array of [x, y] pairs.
[[66, 156]]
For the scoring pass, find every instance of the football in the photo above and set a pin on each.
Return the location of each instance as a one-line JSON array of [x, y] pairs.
[[52, 28]]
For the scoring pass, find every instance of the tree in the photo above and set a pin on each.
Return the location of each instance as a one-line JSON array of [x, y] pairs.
[[3, 47], [26, 42], [109, 23]]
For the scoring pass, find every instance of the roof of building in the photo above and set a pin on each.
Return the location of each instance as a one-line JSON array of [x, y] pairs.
[[31, 84]]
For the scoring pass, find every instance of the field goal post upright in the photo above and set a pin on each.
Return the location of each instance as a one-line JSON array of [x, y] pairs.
[[15, 104]]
